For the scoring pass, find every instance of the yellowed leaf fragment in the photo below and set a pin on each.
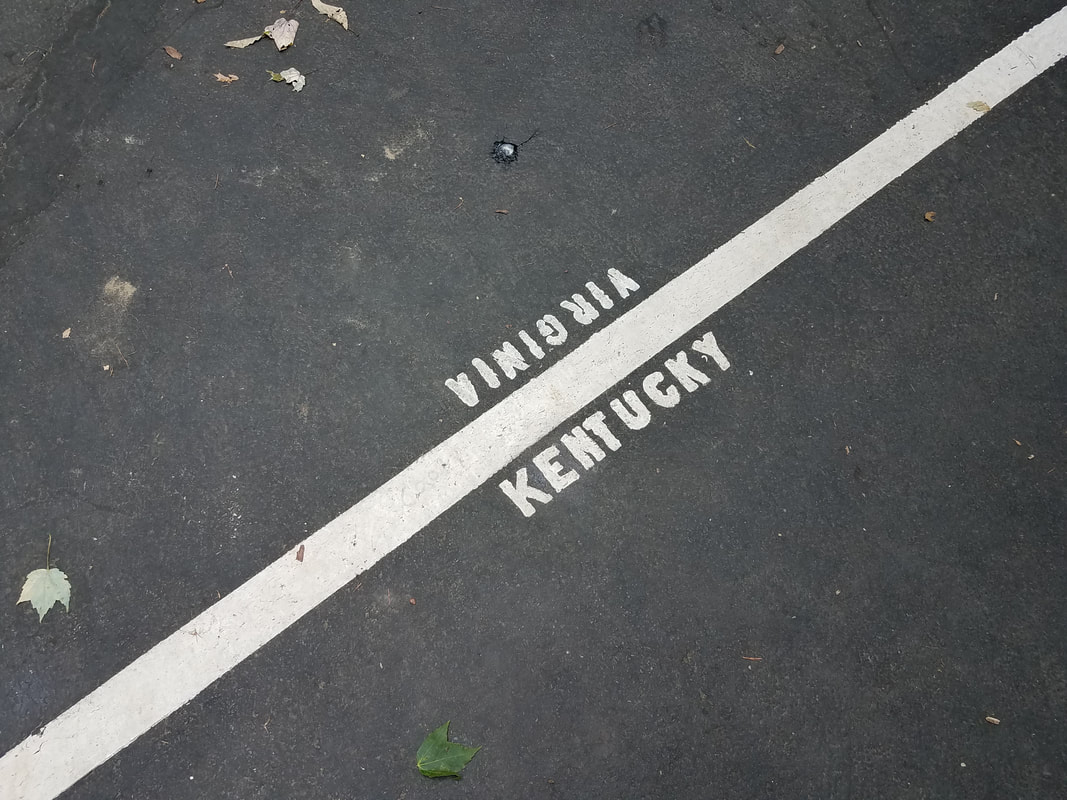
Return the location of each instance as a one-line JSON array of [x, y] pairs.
[[244, 42], [225, 78], [336, 13], [979, 105], [66, 333]]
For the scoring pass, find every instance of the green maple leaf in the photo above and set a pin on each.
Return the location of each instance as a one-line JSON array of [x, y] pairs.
[[44, 588], [440, 758]]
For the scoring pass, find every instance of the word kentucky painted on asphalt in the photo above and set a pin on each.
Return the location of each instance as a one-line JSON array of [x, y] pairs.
[[551, 332], [585, 444]]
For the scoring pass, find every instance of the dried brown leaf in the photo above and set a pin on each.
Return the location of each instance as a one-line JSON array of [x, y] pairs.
[[170, 51], [929, 216], [779, 49], [66, 333], [225, 78]]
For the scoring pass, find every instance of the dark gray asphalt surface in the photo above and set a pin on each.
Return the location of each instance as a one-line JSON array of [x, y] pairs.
[[848, 502]]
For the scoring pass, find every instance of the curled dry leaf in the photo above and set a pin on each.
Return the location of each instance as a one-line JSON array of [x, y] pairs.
[[336, 13], [929, 216], [291, 76], [979, 105], [244, 42], [173, 53], [283, 32], [225, 78]]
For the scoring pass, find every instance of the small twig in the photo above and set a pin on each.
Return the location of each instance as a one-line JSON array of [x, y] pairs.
[[227, 268], [612, 125], [48, 552], [501, 211], [752, 658], [458, 204], [265, 724], [749, 143], [444, 8], [216, 180], [92, 69]]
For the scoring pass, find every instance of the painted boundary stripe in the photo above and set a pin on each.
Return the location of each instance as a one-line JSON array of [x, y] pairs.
[[181, 666]]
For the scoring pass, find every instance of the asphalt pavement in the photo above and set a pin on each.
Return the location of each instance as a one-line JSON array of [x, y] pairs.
[[819, 575]]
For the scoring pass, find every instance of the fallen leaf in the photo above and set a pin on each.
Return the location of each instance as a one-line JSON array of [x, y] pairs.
[[244, 42], [66, 334], [440, 758], [44, 588], [300, 554], [929, 216], [779, 49], [225, 78], [283, 32], [291, 76], [336, 13], [979, 105], [992, 720], [170, 51]]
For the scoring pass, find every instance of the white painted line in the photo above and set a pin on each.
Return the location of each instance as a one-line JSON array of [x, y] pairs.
[[183, 665]]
